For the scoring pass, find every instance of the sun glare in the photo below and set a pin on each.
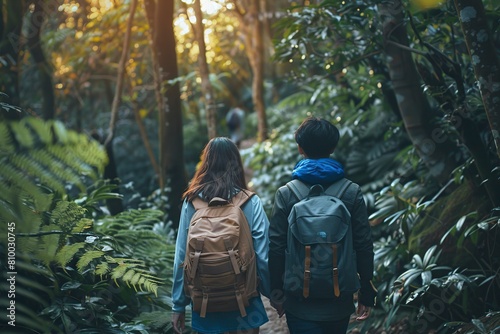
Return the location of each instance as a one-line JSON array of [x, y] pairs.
[[210, 7]]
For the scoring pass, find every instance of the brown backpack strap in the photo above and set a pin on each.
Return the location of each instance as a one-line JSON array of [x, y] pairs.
[[232, 255], [204, 304], [336, 289], [241, 306], [197, 254], [241, 197], [307, 271]]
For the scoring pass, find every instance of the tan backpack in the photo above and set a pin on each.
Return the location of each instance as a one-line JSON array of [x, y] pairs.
[[220, 272]]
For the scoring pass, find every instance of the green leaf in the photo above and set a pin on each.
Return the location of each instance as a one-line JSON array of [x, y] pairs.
[[72, 285]]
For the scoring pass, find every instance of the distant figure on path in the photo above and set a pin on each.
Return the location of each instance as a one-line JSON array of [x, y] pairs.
[[235, 120]]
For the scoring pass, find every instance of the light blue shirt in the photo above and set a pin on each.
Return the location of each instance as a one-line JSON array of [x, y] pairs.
[[218, 322]]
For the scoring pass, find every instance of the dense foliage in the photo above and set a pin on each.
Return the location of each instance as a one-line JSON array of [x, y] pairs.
[[436, 244]]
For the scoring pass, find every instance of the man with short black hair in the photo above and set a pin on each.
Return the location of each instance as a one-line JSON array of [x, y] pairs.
[[317, 139]]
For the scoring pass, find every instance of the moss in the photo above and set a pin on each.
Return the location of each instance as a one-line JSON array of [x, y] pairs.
[[444, 214]]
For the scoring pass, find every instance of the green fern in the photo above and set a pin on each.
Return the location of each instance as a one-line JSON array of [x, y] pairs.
[[67, 252], [102, 269], [87, 257], [39, 160]]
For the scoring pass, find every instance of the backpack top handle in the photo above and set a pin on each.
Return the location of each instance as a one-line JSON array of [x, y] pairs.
[[337, 189], [237, 200]]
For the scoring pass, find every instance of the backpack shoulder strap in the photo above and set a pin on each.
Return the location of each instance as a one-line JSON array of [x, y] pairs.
[[298, 188], [198, 203], [241, 197], [338, 188]]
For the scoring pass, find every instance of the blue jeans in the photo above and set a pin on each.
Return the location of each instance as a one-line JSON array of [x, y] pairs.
[[301, 326]]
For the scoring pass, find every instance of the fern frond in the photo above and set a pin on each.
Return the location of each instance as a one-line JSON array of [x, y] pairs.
[[130, 271], [49, 245], [22, 134], [35, 152], [33, 167], [67, 252], [86, 258], [13, 178], [135, 279], [128, 276], [102, 269], [82, 224], [66, 215], [59, 168], [6, 145], [60, 132], [40, 128]]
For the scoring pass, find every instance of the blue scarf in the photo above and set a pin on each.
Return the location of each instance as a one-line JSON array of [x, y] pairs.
[[322, 171]]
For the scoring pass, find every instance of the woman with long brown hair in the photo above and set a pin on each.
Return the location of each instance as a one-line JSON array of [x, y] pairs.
[[220, 174]]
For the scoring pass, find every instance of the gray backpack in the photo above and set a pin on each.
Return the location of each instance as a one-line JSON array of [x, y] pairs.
[[320, 258]]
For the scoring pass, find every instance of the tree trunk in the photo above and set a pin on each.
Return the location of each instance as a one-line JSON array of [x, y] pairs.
[[11, 12], [44, 69], [257, 63], [434, 150], [484, 60], [206, 86], [115, 206], [251, 27], [121, 74], [160, 17]]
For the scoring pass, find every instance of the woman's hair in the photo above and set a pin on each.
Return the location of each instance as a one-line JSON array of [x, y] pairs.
[[317, 137], [219, 173]]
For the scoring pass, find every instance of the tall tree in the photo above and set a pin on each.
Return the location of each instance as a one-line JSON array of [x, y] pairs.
[[110, 172], [11, 21], [160, 16], [121, 74], [484, 60], [249, 15], [44, 68], [434, 150], [206, 86]]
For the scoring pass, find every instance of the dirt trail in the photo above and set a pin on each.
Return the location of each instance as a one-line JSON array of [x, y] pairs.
[[275, 325]]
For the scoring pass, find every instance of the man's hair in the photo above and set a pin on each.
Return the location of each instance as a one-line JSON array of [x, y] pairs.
[[317, 137]]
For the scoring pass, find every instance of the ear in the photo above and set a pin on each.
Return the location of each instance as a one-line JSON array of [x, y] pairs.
[[301, 151]]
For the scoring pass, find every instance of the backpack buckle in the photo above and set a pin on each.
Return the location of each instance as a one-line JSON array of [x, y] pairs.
[[335, 272], [307, 274]]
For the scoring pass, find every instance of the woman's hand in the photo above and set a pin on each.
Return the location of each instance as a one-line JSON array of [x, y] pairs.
[[178, 320]]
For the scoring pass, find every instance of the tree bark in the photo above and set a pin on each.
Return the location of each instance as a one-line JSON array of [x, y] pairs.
[[160, 17], [251, 27], [44, 68], [434, 150], [206, 86], [12, 12], [484, 60], [121, 74]]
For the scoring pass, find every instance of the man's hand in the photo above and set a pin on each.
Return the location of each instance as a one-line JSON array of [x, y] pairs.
[[362, 312], [279, 308], [178, 320]]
